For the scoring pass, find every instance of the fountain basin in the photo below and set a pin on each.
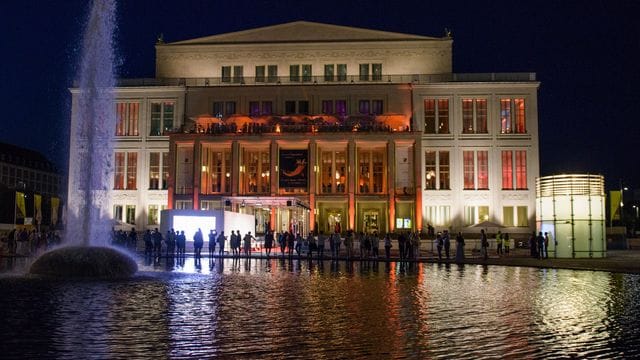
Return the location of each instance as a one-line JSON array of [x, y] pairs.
[[85, 262]]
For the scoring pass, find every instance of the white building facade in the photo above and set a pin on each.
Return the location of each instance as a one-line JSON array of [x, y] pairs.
[[391, 138]]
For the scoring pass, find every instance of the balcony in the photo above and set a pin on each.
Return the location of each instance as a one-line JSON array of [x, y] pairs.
[[329, 80]]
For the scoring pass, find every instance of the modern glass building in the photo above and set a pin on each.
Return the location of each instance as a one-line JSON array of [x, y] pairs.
[[310, 126]]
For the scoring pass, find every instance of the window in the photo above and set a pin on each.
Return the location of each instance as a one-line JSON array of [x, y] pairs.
[[257, 108], [436, 169], [475, 214], [329, 72], [216, 170], [125, 168], [226, 73], [327, 106], [373, 107], [117, 212], [184, 204], [294, 73], [272, 73], [474, 116], [257, 171], [438, 215], [162, 116], [436, 116], [260, 73], [127, 114], [523, 217], [153, 217], [512, 116], [306, 73], [363, 107], [342, 72], [364, 72], [341, 107], [290, 107], [237, 74], [507, 216], [131, 214], [371, 165], [333, 174], [519, 218], [376, 107], [224, 108], [520, 170], [376, 72], [475, 166], [254, 108], [158, 170]]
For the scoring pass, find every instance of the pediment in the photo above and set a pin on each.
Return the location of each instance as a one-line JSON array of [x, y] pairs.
[[302, 31]]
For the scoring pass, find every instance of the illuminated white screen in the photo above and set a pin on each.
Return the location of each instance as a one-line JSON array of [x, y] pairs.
[[190, 224]]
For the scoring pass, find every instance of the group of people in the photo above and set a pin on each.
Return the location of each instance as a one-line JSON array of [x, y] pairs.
[[29, 242], [539, 245]]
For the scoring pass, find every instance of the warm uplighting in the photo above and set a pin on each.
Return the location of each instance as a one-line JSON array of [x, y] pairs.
[[278, 128]]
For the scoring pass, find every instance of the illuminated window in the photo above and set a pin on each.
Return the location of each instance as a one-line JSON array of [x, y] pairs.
[[294, 73], [128, 114], [474, 116], [306, 73], [184, 204], [512, 116], [118, 212], [520, 170], [475, 170], [153, 216], [131, 214], [257, 171], [364, 72], [436, 116], [272, 73], [333, 174], [162, 117], [125, 168], [523, 216], [215, 176], [371, 165], [376, 72], [436, 170], [475, 214], [507, 216], [438, 215], [158, 170]]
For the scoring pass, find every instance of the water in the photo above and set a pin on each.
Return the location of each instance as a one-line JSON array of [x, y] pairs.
[[92, 130], [259, 309]]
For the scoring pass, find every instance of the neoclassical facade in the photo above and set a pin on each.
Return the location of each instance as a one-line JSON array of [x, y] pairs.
[[311, 126]]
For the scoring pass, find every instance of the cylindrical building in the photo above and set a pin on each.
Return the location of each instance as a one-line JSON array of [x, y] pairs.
[[571, 209]]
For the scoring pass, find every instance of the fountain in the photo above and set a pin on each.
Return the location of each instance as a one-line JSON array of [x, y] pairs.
[[91, 136]]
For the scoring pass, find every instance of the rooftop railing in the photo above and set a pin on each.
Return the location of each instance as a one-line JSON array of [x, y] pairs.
[[327, 80]]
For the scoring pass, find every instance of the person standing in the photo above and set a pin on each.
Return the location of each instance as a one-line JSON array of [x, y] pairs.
[[321, 241], [171, 243], [439, 244], [499, 243], [148, 244], [484, 244], [546, 245], [157, 243], [247, 244], [268, 242], [401, 242], [506, 243], [182, 243], [336, 244], [375, 244], [447, 243], [282, 241], [291, 239], [459, 248], [540, 241], [348, 244], [133, 239], [212, 243], [221, 241], [198, 243], [387, 246]]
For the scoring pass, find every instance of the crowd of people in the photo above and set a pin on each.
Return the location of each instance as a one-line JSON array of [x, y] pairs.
[[24, 242]]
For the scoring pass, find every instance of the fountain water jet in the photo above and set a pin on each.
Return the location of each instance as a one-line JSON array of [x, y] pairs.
[[91, 135]]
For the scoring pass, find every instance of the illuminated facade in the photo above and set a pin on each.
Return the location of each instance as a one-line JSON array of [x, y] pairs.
[[311, 126]]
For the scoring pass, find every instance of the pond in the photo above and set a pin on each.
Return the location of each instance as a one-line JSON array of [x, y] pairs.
[[262, 308]]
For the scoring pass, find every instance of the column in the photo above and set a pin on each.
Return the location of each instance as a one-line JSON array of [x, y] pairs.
[[235, 167], [352, 169], [197, 169], [417, 164], [391, 188]]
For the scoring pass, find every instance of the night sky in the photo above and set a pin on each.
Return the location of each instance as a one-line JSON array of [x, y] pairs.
[[585, 54]]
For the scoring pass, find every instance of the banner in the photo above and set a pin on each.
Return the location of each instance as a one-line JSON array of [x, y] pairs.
[[55, 203], [614, 204], [21, 209], [294, 172], [37, 207]]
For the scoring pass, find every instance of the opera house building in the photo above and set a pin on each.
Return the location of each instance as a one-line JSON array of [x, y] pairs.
[[317, 127]]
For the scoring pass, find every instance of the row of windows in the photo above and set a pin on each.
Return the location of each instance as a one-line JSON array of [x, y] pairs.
[[126, 170], [474, 116], [128, 118], [475, 166], [329, 107], [301, 73], [440, 215], [15, 177]]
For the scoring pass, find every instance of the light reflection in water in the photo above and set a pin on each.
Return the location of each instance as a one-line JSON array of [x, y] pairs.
[[282, 308]]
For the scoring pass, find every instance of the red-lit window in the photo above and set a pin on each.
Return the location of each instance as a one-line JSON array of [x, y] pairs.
[[128, 114], [436, 116], [132, 166], [507, 170], [467, 116], [521, 170], [483, 169], [468, 169], [505, 116], [430, 116], [520, 121], [481, 116], [118, 183], [474, 116], [443, 116]]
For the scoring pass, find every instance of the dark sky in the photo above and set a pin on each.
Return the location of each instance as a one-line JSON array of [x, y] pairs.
[[585, 54]]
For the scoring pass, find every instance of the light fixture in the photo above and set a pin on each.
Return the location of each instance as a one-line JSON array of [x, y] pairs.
[[243, 204]]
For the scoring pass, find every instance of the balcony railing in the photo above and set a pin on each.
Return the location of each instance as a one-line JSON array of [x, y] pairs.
[[257, 129], [326, 80]]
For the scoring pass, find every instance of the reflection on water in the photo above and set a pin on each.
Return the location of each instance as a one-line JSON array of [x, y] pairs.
[[300, 309]]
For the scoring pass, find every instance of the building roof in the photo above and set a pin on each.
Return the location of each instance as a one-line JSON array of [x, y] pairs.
[[304, 31], [16, 155]]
